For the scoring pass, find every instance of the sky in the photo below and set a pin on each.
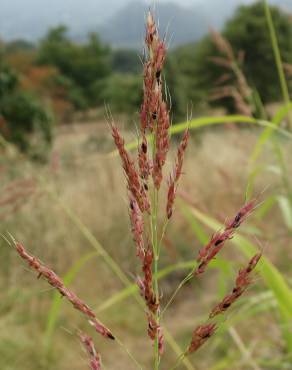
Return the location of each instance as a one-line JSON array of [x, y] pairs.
[[14, 10], [27, 18], [107, 6]]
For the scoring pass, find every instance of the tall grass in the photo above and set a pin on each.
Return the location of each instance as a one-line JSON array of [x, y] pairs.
[[278, 59], [151, 212]]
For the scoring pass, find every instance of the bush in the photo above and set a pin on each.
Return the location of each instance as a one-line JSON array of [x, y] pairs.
[[120, 92], [23, 117], [126, 61], [247, 32], [83, 64]]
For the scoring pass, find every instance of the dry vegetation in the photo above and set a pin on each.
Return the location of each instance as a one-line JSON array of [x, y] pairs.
[[87, 181], [73, 213]]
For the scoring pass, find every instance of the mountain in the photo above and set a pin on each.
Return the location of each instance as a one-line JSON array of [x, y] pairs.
[[216, 12], [183, 23], [118, 21], [30, 19], [127, 27]]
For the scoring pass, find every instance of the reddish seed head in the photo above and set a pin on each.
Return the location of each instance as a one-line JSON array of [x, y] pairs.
[[55, 281], [152, 326], [241, 216], [134, 185], [200, 335], [151, 32], [253, 262], [162, 144], [173, 181], [152, 98], [94, 357], [146, 285], [160, 59], [144, 163], [243, 280], [180, 154], [155, 331], [160, 341], [170, 198], [137, 228], [100, 328], [243, 277], [209, 251]]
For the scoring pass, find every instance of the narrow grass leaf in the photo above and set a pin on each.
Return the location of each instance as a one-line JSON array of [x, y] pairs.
[[209, 121], [285, 207], [132, 289], [278, 58], [265, 207], [269, 131]]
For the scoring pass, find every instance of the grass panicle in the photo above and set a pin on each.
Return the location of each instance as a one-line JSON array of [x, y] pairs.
[[55, 281], [145, 177], [94, 357]]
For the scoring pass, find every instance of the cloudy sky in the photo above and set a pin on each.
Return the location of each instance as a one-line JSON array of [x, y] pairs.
[[31, 18], [104, 6]]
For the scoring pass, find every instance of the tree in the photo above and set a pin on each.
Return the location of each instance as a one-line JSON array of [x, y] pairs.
[[126, 61], [23, 116], [247, 32], [83, 64], [120, 92]]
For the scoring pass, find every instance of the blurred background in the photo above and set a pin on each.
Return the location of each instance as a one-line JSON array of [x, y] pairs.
[[64, 67]]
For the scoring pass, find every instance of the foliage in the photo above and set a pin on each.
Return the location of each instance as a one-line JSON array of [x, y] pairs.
[[22, 115], [275, 301], [18, 45], [8, 79], [126, 61], [120, 90], [78, 76], [248, 34], [248, 31], [84, 65]]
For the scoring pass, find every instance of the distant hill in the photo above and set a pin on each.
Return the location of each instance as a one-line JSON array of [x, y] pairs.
[[30, 19], [183, 23], [119, 22], [127, 27]]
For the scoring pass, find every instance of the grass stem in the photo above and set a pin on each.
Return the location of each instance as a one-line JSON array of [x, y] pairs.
[[278, 59]]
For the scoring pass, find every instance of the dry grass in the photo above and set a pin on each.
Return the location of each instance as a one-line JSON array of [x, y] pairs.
[[88, 181]]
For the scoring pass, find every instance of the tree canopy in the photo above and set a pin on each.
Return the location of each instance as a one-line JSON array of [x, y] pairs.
[[248, 34], [83, 64]]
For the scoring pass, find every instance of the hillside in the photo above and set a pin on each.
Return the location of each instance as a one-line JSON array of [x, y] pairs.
[[118, 21], [182, 24]]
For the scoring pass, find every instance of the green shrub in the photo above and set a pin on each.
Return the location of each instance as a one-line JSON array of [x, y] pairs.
[[25, 121], [120, 92], [247, 32]]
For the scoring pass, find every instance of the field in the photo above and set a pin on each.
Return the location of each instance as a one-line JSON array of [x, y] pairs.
[[146, 204], [82, 190]]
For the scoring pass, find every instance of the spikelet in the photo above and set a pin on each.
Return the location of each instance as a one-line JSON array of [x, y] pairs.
[[155, 331], [146, 285], [56, 282], [94, 357], [174, 178], [137, 228], [200, 335], [243, 280], [144, 162], [209, 251], [135, 187]]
